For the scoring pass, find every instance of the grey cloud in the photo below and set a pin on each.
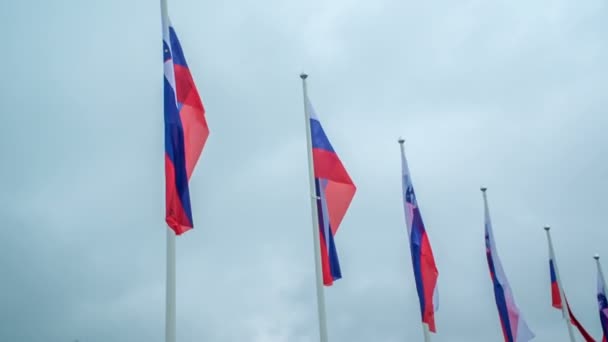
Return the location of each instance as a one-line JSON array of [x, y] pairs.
[[504, 94]]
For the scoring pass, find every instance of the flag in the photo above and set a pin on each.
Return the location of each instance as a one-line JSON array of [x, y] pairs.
[[425, 270], [186, 131], [556, 302], [602, 304], [556, 299], [514, 327], [334, 191]]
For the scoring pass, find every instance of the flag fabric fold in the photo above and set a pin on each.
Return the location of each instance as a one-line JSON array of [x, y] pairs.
[[556, 302], [602, 303], [578, 325], [334, 190], [425, 269], [186, 131], [514, 327]]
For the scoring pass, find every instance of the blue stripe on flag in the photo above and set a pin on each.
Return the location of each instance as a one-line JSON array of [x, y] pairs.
[[501, 301], [416, 250], [176, 48], [174, 147], [319, 139]]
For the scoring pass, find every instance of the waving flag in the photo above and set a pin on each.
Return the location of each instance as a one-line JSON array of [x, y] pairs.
[[513, 325], [556, 302], [425, 270], [186, 131], [334, 191], [602, 302]]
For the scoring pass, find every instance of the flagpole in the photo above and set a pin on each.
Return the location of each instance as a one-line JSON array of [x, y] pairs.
[[170, 300], [315, 220], [559, 285], [427, 333], [164, 14], [170, 310], [599, 268]]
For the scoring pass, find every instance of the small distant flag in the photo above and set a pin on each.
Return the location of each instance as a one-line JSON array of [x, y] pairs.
[[425, 270], [514, 327], [556, 302], [602, 302], [334, 191], [186, 131]]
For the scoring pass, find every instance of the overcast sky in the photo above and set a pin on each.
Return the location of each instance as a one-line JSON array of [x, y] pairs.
[[506, 94]]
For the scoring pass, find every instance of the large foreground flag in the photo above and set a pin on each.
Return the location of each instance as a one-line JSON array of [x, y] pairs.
[[514, 327], [556, 302], [425, 270], [186, 131], [334, 191], [602, 302]]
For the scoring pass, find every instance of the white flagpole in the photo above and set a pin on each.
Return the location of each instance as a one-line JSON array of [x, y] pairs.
[[599, 269], [425, 327], [315, 220], [427, 333], [170, 330], [170, 300], [559, 285]]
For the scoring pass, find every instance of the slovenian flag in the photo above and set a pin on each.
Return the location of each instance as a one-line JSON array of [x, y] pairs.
[[514, 327], [602, 303], [186, 131], [425, 270], [334, 192], [556, 302]]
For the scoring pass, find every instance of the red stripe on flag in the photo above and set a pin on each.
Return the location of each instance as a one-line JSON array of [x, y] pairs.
[[196, 133], [328, 280], [429, 273], [556, 299], [340, 188], [186, 91], [176, 216]]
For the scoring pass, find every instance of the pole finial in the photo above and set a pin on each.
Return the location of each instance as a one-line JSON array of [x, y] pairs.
[[547, 227], [401, 140], [596, 256], [483, 189], [303, 76]]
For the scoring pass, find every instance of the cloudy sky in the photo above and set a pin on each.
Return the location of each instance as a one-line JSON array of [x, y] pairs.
[[506, 94]]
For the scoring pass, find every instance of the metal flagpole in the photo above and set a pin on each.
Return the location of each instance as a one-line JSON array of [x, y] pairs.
[[425, 327], [559, 285], [315, 220], [599, 269], [170, 300], [170, 330], [427, 333]]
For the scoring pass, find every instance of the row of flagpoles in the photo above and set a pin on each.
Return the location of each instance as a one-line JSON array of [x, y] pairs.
[[331, 192]]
